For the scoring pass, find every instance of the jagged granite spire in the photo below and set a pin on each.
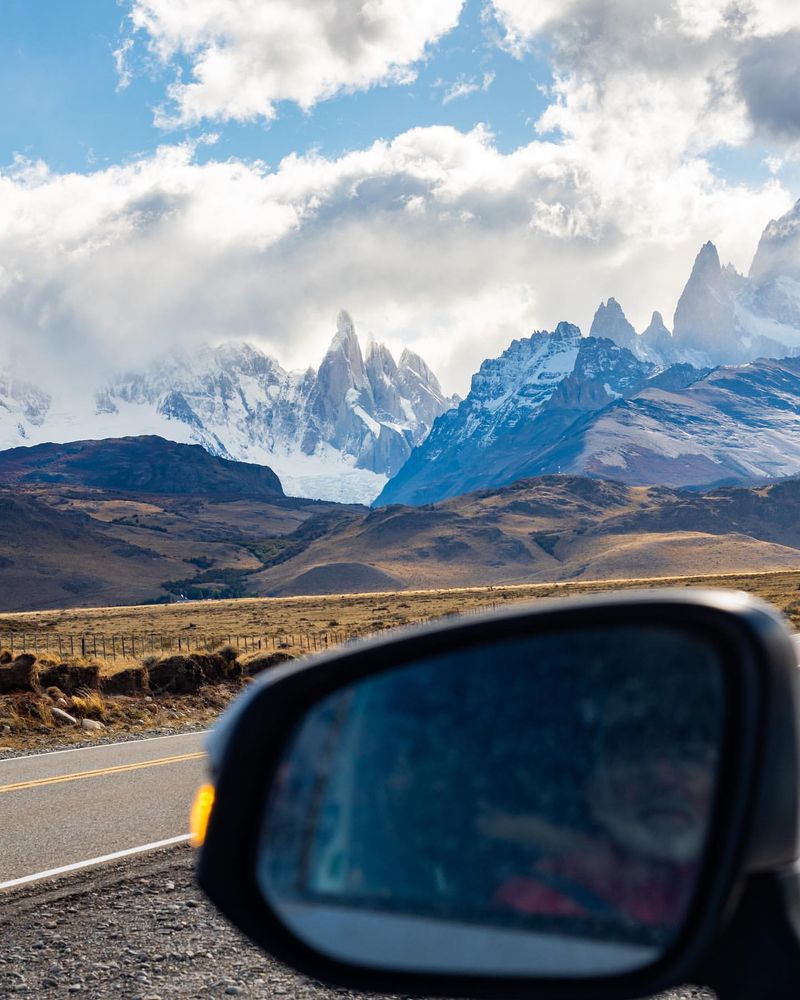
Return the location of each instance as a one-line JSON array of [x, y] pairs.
[[656, 328], [778, 253], [610, 321], [705, 316]]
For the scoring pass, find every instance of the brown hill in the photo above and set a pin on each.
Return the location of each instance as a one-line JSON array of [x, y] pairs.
[[50, 558], [147, 464], [141, 519], [558, 528]]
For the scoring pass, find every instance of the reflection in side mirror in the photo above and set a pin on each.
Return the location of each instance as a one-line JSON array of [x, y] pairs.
[[531, 807]]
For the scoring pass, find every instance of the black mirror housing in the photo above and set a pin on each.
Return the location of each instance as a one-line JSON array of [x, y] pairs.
[[754, 828]]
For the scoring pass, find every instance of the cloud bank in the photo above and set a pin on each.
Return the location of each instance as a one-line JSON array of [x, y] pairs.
[[435, 239]]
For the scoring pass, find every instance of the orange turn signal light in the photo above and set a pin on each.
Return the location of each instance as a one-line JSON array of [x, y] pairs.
[[200, 815]]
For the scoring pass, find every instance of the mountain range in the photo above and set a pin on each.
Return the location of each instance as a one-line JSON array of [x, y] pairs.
[[713, 400], [338, 432], [723, 317]]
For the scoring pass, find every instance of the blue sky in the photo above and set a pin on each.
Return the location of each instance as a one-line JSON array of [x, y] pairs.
[[347, 168], [67, 108]]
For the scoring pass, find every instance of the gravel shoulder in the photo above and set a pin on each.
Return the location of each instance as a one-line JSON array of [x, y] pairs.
[[105, 739], [141, 930]]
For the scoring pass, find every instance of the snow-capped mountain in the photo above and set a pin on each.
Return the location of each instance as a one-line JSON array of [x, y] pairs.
[[23, 407], [723, 317], [615, 416], [337, 433], [518, 406]]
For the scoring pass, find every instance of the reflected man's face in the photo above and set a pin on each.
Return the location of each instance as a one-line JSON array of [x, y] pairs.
[[655, 804]]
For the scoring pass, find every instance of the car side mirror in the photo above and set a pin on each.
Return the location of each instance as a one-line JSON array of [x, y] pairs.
[[565, 797]]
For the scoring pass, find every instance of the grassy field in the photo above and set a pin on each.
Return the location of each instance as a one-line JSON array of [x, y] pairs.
[[26, 719], [266, 616]]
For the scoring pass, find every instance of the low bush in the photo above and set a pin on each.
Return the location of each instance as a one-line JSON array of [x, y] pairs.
[[264, 661], [227, 651]]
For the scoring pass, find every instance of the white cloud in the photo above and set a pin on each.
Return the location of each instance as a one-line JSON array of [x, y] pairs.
[[708, 72], [124, 74], [436, 240], [464, 86], [248, 55]]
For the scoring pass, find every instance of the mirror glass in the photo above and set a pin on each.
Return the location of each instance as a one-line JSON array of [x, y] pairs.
[[533, 807]]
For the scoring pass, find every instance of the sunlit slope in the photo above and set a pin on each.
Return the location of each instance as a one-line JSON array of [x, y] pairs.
[[553, 528]]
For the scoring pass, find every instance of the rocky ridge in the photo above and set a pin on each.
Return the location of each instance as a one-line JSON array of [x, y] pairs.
[[644, 407]]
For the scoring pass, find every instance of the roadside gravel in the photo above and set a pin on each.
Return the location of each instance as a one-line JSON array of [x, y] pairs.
[[141, 930], [93, 740]]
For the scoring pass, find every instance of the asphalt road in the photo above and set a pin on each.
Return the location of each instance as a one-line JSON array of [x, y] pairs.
[[71, 807]]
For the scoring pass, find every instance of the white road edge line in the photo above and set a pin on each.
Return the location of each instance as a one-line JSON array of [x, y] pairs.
[[105, 746], [77, 865]]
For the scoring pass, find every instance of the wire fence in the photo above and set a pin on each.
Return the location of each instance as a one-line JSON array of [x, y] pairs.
[[138, 645]]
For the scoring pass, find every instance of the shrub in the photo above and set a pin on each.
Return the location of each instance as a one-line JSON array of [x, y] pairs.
[[228, 652], [89, 704]]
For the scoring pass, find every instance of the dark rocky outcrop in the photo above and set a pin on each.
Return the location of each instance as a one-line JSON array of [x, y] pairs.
[[70, 677], [265, 661], [20, 674], [187, 674], [134, 680], [138, 465]]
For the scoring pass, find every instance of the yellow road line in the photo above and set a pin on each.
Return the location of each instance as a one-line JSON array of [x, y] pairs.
[[118, 769]]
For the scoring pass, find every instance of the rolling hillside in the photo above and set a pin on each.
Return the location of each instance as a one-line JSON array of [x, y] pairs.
[[552, 528], [145, 520]]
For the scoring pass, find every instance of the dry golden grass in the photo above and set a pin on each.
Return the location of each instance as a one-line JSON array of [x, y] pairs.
[[88, 704], [24, 719], [229, 620]]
